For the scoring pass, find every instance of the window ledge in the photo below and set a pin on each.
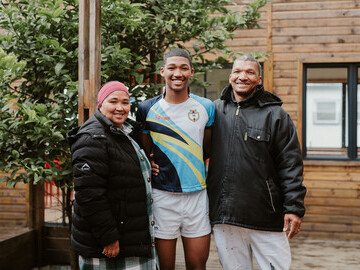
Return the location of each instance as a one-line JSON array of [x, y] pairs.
[[332, 163]]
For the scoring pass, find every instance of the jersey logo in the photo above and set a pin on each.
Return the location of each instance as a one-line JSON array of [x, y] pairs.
[[193, 115], [162, 117]]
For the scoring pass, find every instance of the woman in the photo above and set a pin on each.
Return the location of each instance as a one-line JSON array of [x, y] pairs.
[[112, 222]]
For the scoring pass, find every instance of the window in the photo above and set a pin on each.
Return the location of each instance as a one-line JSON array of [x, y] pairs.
[[358, 113], [357, 84], [331, 113], [217, 79], [326, 112]]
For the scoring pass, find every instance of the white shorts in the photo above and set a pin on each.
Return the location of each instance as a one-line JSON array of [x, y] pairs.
[[185, 214], [237, 245]]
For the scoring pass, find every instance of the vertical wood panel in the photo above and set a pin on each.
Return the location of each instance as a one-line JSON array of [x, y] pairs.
[[37, 210], [269, 63], [300, 98], [83, 71], [95, 54], [89, 57]]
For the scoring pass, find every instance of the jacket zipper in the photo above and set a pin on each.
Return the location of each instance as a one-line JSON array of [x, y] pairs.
[[237, 110], [226, 169], [271, 199], [237, 113]]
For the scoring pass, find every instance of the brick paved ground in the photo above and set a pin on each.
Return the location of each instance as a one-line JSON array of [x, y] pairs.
[[307, 253]]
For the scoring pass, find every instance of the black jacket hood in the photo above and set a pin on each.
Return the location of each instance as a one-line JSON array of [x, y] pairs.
[[260, 96], [103, 122]]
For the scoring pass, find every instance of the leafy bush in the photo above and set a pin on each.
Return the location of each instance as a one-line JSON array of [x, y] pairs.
[[44, 34], [37, 111]]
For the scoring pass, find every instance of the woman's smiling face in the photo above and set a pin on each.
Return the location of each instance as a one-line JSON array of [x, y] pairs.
[[116, 107]]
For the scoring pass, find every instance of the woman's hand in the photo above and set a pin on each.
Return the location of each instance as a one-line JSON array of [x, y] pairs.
[[112, 250]]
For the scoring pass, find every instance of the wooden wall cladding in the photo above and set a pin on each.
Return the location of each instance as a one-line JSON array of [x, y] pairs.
[[14, 205], [333, 200], [56, 245], [294, 30]]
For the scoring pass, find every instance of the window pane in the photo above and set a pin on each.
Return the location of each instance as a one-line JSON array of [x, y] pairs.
[[196, 88], [326, 112], [218, 79]]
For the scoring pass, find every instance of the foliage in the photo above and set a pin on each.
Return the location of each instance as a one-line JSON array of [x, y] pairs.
[[32, 143], [37, 112], [135, 35], [44, 34], [10, 69]]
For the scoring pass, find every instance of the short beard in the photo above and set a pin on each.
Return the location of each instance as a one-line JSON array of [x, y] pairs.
[[245, 94]]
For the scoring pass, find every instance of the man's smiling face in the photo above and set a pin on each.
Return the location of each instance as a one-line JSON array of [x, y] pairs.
[[244, 78]]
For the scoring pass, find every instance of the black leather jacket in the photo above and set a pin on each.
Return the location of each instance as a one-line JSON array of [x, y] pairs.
[[256, 170], [110, 193]]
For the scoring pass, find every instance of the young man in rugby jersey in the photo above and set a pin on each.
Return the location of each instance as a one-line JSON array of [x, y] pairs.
[[178, 124]]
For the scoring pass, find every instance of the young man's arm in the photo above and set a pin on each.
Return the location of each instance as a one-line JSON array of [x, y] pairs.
[[207, 142], [147, 144], [145, 138]]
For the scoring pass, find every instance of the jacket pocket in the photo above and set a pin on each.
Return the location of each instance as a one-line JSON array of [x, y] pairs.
[[258, 135], [256, 143]]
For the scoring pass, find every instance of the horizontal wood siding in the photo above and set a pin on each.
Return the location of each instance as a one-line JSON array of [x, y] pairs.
[[14, 205], [295, 32], [333, 200], [56, 245]]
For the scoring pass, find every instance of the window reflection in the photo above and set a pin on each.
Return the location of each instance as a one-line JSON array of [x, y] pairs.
[[217, 80], [326, 112]]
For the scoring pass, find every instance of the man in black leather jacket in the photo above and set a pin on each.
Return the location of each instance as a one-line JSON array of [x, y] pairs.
[[255, 174]]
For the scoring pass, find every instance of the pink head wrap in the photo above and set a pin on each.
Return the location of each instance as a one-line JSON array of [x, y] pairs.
[[108, 88]]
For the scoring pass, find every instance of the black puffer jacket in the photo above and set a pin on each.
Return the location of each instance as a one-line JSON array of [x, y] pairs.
[[110, 194], [255, 171]]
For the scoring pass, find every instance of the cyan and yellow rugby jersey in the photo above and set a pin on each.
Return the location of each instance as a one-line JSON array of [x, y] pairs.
[[177, 132]]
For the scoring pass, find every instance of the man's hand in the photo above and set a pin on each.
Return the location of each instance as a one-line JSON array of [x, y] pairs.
[[112, 250], [154, 167], [292, 221]]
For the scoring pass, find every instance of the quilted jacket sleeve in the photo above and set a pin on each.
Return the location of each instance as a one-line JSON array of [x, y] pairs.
[[91, 171]]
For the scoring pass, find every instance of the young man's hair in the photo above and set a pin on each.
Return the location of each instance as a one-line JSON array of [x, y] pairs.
[[177, 52], [246, 57]]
